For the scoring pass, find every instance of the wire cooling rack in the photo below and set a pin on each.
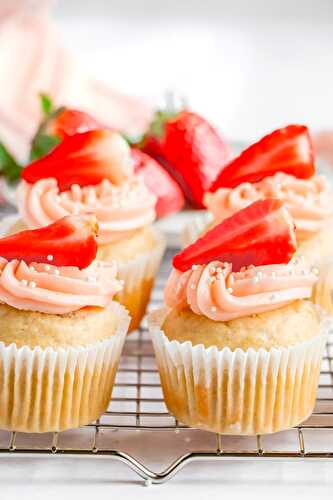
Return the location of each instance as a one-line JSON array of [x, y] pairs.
[[138, 430]]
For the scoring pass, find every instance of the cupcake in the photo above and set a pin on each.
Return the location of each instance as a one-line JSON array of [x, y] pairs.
[[92, 172], [231, 354], [61, 335], [281, 165]]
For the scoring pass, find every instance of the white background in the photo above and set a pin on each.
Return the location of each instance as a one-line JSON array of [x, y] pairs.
[[250, 65]]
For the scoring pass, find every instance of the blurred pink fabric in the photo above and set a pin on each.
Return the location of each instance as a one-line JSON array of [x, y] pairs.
[[33, 61]]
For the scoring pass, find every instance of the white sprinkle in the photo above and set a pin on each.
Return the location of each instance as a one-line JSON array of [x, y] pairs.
[[24, 282], [212, 279], [212, 269], [315, 271], [56, 272], [255, 279], [259, 275], [213, 309], [194, 267], [50, 258], [192, 287], [122, 282], [92, 279], [32, 284], [32, 269], [273, 274], [219, 269], [47, 267], [230, 290]]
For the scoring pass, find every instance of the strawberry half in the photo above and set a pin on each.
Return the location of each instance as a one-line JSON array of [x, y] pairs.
[[191, 148], [71, 121], [84, 159], [169, 196], [287, 150], [262, 233], [70, 241]]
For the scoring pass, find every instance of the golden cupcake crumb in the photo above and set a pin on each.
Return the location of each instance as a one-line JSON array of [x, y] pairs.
[[283, 327]]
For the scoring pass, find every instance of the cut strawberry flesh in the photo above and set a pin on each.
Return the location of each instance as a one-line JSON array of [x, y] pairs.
[[70, 122], [170, 197], [71, 241], [287, 150], [84, 159], [260, 234]]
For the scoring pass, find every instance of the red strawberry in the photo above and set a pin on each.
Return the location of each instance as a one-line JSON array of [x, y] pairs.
[[192, 149], [70, 122], [170, 197], [70, 241], [287, 150], [262, 233], [84, 159]]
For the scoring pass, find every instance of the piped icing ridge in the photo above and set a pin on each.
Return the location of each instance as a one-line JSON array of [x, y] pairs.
[[308, 200], [57, 290], [216, 292], [120, 210]]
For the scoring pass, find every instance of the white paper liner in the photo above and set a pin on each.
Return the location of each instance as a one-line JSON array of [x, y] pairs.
[[238, 392], [138, 275], [44, 390], [192, 230]]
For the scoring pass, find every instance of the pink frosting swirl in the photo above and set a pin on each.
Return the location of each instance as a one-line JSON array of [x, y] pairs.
[[57, 290], [308, 200], [120, 210], [214, 291]]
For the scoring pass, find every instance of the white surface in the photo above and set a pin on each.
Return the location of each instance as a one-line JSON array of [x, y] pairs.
[[66, 479]]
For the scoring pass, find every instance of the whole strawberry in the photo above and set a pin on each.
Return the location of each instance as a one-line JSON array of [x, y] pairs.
[[191, 149]]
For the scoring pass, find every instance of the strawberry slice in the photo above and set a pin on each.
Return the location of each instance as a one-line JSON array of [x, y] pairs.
[[84, 159], [169, 196], [71, 241], [71, 121], [287, 150], [191, 149], [262, 233]]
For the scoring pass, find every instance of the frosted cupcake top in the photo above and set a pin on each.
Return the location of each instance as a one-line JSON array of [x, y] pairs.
[[308, 200], [86, 173], [242, 266], [215, 291], [120, 210], [57, 290], [52, 269]]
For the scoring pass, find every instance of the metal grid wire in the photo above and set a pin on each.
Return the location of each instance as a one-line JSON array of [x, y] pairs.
[[137, 405]]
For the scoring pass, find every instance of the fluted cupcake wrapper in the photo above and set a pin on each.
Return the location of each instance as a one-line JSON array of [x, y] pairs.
[[192, 230], [43, 390], [238, 392], [139, 275]]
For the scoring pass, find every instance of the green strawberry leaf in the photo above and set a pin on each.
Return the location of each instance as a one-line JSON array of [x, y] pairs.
[[42, 144], [9, 168], [157, 126], [46, 104]]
